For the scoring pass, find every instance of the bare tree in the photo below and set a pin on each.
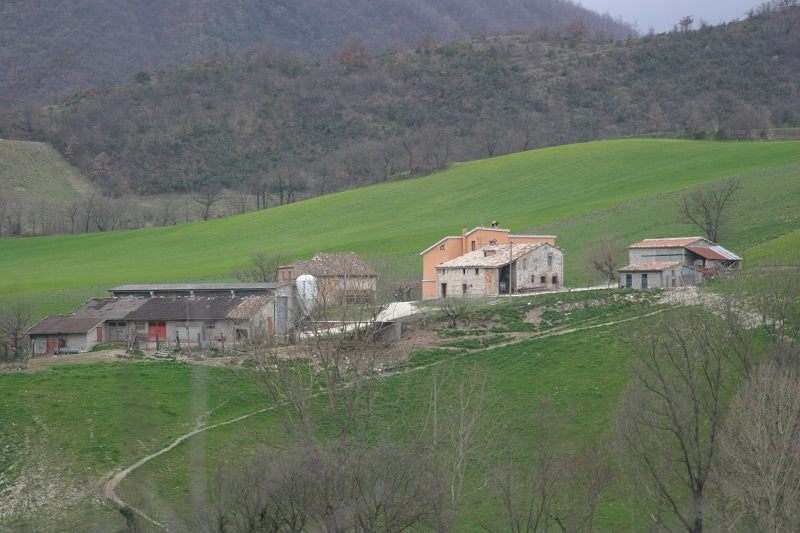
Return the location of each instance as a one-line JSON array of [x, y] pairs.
[[686, 23], [334, 487], [708, 208], [15, 319], [769, 298], [672, 413], [603, 258], [462, 422], [760, 451], [207, 196], [455, 309], [263, 268]]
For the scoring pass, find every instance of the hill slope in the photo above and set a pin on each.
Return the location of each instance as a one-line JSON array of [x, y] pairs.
[[275, 124], [36, 184], [624, 189], [52, 47]]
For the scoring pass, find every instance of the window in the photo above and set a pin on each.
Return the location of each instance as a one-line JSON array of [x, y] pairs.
[[549, 260], [442, 247], [211, 325], [464, 289], [645, 282], [493, 242], [463, 271], [628, 281], [543, 280], [472, 246], [555, 280], [477, 272]]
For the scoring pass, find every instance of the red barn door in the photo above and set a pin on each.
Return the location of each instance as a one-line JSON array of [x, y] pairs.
[[157, 331]]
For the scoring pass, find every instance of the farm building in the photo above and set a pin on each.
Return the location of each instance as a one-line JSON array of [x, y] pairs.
[[675, 262], [501, 269], [203, 322], [341, 278], [208, 315], [65, 334], [452, 247], [113, 312]]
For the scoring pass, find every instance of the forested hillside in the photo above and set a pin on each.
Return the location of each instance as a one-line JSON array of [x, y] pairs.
[[288, 128], [56, 46]]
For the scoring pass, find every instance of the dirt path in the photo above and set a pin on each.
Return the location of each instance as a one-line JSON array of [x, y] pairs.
[[117, 477]]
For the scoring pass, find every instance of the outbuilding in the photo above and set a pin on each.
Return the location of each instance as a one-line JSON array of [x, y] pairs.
[[66, 334], [675, 262], [203, 322]]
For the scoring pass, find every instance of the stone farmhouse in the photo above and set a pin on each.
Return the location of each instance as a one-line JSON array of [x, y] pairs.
[[675, 262], [341, 278], [205, 315], [491, 261]]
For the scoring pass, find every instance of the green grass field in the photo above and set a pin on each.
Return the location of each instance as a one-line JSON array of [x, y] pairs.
[[64, 428], [579, 377], [73, 424], [621, 189], [34, 172]]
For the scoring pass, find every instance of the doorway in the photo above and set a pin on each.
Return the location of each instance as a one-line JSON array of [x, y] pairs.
[[444, 290]]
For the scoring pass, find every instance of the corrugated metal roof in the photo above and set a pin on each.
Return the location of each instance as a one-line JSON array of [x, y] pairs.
[[669, 242], [64, 325], [651, 266], [491, 256], [200, 287], [727, 254]]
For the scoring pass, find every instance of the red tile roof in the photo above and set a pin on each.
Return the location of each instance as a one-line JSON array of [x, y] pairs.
[[707, 253]]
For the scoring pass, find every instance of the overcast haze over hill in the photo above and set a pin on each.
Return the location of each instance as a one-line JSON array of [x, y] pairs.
[[662, 15]]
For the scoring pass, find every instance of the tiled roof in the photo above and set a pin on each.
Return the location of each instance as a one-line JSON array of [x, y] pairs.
[[185, 309], [109, 308], [64, 325], [328, 265], [248, 307], [650, 266], [670, 242], [491, 256]]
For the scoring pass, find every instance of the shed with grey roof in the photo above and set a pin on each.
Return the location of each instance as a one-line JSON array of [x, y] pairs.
[[65, 334], [214, 322]]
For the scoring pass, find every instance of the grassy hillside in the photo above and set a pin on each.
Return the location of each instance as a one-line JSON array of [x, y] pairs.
[[622, 189], [34, 171], [72, 424]]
